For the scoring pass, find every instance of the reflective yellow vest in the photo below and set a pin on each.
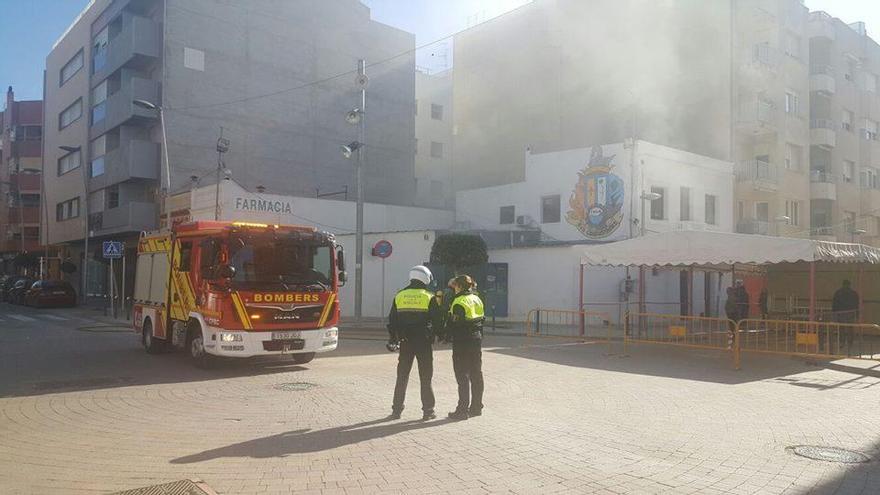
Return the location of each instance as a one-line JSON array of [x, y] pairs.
[[472, 305], [413, 301]]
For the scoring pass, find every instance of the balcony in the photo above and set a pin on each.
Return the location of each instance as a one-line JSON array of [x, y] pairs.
[[757, 117], [26, 182], [27, 214], [763, 176], [753, 226], [823, 233], [134, 160], [130, 217], [823, 133], [870, 199], [821, 25], [136, 46], [766, 56], [823, 185], [822, 79], [120, 109]]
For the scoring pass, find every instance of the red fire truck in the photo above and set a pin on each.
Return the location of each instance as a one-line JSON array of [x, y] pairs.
[[238, 289]]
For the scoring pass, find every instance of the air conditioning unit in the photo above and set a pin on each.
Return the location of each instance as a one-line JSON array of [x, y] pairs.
[[524, 221]]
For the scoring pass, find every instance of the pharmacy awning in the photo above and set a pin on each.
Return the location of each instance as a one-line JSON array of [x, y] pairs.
[[702, 248]]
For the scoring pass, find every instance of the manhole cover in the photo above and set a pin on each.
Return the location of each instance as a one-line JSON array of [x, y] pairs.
[[829, 454], [294, 387], [182, 487]]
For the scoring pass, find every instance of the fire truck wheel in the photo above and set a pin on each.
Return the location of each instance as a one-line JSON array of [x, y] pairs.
[[195, 343], [151, 344], [303, 358]]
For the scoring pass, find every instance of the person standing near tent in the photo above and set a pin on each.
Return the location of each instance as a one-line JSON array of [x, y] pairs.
[[742, 301], [845, 309]]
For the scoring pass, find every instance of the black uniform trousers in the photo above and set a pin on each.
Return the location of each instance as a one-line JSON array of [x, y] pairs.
[[415, 349], [467, 361]]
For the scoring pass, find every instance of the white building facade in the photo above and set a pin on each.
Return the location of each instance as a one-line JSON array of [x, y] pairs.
[[590, 195]]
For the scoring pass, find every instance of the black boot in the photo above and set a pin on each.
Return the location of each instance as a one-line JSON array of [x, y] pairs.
[[459, 415], [475, 412], [428, 415], [394, 415]]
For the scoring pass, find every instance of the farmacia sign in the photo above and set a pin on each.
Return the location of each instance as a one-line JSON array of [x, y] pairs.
[[262, 205]]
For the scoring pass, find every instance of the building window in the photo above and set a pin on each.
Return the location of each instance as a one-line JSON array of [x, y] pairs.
[[71, 67], [791, 103], [793, 154], [685, 205], [99, 102], [508, 215], [70, 114], [99, 149], [436, 149], [793, 212], [99, 49], [870, 178], [436, 111], [740, 211], [68, 162], [871, 82], [852, 66], [711, 202], [29, 200], [846, 120], [870, 130], [113, 197], [762, 211], [67, 210], [550, 207], [849, 171], [849, 222], [28, 133], [194, 59], [657, 205]]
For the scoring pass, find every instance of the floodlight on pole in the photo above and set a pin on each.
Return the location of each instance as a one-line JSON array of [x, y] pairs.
[[350, 148], [354, 116]]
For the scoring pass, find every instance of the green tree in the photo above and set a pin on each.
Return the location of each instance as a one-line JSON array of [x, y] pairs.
[[458, 251]]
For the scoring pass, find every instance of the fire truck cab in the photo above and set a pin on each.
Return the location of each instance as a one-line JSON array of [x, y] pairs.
[[237, 289]]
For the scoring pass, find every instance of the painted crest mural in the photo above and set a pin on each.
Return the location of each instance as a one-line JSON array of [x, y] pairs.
[[597, 201]]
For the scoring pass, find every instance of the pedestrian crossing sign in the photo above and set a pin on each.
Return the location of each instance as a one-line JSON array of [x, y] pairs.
[[112, 249]]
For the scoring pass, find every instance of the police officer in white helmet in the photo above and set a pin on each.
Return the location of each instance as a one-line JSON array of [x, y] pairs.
[[414, 316]]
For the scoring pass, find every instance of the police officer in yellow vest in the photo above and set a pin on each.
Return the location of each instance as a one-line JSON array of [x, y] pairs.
[[414, 316], [464, 326]]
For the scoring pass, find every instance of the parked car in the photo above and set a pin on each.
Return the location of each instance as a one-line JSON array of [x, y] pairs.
[[7, 285], [50, 293], [15, 295]]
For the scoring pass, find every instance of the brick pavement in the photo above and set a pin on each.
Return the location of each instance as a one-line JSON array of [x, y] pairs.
[[559, 419]]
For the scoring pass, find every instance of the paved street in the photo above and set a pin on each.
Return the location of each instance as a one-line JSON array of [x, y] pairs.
[[84, 410]]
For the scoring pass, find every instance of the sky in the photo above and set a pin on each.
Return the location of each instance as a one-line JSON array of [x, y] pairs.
[[28, 28]]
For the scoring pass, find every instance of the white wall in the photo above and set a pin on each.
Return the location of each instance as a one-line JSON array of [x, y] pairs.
[[409, 249], [547, 277], [334, 216], [558, 173]]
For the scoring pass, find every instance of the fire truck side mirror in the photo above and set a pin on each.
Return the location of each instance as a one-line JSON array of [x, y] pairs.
[[225, 271]]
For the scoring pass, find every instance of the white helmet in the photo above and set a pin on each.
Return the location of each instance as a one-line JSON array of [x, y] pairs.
[[421, 273]]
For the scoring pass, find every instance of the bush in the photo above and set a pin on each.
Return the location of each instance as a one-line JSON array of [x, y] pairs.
[[457, 251]]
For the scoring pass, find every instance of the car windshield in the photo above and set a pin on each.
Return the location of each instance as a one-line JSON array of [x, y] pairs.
[[288, 264]]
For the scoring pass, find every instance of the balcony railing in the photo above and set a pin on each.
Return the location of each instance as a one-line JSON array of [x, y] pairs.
[[757, 170], [822, 124], [823, 176], [766, 55], [822, 230], [753, 226]]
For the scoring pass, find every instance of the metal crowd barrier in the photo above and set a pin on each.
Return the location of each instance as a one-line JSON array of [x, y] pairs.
[[688, 331], [824, 339]]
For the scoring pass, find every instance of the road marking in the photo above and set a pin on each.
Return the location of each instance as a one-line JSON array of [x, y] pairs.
[[22, 317], [53, 317]]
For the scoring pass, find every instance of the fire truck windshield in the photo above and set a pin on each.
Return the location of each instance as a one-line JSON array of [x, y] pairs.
[[284, 264]]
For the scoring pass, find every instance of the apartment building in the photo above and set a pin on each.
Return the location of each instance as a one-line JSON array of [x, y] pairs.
[[563, 74], [845, 147], [433, 147], [277, 77], [21, 144], [773, 121]]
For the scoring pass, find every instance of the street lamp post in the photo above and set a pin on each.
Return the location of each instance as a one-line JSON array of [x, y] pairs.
[[85, 214], [357, 116], [152, 106]]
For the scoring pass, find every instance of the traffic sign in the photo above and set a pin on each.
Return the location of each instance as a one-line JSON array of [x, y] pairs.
[[382, 249], [112, 249]]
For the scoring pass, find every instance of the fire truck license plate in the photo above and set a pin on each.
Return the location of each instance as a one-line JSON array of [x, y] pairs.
[[285, 335]]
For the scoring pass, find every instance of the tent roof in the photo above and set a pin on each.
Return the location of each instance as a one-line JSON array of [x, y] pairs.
[[687, 248]]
